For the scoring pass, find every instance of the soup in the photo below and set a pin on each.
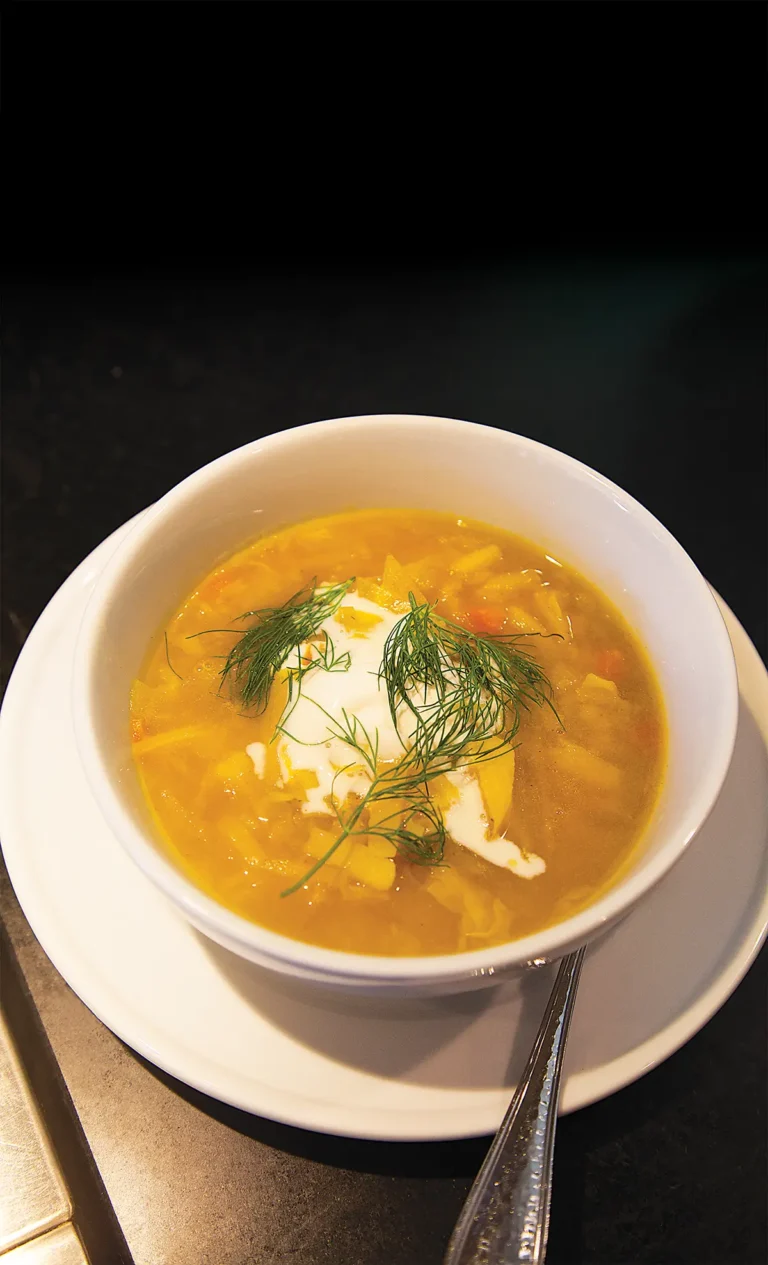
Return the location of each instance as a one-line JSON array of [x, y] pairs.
[[398, 732]]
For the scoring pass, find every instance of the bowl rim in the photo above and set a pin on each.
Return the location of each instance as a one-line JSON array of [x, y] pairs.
[[296, 957]]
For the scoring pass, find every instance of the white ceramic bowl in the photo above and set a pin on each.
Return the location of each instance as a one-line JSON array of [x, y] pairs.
[[438, 464]]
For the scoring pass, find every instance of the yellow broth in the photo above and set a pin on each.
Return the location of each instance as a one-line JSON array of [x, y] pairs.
[[578, 796]]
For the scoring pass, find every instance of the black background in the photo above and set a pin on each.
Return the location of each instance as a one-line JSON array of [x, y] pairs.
[[609, 300]]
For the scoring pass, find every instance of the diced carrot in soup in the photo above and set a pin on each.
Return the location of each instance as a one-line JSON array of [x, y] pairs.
[[610, 663], [487, 619]]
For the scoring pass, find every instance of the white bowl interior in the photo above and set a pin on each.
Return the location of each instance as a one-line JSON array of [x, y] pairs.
[[474, 472]]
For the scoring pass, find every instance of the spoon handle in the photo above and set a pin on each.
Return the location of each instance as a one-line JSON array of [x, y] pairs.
[[505, 1219]]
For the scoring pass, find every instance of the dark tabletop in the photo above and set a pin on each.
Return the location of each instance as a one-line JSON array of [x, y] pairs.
[[650, 369]]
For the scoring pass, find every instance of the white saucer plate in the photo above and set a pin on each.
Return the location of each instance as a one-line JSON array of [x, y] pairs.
[[403, 1071]]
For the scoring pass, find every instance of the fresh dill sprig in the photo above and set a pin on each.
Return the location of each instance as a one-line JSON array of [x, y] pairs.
[[464, 693], [168, 659], [256, 658], [418, 831], [463, 690]]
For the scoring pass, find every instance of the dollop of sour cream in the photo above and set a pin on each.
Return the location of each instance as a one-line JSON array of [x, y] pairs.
[[309, 743]]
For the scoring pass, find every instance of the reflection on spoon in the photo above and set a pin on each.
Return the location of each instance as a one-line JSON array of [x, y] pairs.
[[506, 1217]]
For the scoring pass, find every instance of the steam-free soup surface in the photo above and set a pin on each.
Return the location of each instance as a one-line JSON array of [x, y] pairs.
[[531, 835]]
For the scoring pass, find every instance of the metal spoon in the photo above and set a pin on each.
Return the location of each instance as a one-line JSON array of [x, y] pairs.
[[506, 1217]]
